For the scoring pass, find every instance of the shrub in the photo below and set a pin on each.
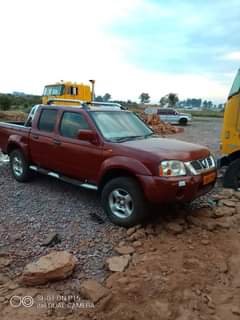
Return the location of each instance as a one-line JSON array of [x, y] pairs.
[[5, 103]]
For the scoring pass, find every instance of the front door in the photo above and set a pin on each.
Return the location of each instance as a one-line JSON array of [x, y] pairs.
[[77, 158]]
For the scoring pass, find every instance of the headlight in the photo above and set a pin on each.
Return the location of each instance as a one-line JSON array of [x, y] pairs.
[[172, 168]]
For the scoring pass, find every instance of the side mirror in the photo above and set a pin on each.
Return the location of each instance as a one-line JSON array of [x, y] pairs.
[[88, 135]]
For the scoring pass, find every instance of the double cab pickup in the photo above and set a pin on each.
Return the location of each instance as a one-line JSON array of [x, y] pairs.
[[105, 148]]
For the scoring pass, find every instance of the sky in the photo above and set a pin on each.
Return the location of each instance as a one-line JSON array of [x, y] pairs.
[[189, 47]]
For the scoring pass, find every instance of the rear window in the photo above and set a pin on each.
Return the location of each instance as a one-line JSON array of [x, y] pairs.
[[162, 111], [47, 120]]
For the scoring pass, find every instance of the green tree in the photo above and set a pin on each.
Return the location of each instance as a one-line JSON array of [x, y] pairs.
[[163, 101], [205, 104], [172, 99], [99, 99], [106, 97], [5, 102], [144, 97]]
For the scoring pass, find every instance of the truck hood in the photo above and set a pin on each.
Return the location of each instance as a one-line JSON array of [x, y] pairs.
[[169, 149]]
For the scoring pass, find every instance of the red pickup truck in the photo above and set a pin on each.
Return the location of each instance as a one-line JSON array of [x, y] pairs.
[[110, 150]]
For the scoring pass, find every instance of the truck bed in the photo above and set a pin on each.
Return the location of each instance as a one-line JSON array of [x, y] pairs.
[[16, 129]]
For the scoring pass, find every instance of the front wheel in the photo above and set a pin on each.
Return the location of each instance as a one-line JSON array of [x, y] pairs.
[[19, 166], [124, 202], [183, 121]]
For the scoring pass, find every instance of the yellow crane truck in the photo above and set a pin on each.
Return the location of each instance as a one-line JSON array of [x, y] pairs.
[[68, 91], [230, 137]]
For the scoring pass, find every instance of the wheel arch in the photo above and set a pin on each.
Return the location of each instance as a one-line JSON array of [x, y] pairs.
[[116, 173], [13, 146]]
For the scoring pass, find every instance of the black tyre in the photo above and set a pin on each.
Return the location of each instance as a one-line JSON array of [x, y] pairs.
[[123, 201], [231, 177], [19, 166], [183, 121]]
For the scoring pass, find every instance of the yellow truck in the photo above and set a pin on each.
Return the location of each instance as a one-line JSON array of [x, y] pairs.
[[230, 137], [68, 91]]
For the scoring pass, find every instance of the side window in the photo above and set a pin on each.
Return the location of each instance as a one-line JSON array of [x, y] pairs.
[[73, 91], [71, 123], [47, 120]]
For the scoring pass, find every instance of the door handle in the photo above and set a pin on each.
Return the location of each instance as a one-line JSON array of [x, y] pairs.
[[35, 137], [56, 142]]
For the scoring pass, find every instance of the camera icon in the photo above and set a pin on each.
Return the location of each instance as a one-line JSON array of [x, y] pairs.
[[17, 301]]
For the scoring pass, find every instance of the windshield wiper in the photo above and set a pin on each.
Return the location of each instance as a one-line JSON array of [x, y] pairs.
[[123, 139], [149, 135]]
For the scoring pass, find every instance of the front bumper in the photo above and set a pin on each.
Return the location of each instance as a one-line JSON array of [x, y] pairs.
[[174, 189]]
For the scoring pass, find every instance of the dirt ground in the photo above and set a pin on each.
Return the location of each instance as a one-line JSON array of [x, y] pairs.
[[184, 263]]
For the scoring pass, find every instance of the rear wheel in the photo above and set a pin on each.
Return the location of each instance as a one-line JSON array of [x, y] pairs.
[[183, 121], [123, 201], [19, 166], [231, 177]]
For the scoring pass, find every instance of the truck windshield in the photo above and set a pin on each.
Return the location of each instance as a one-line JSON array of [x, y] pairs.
[[120, 126], [53, 90], [236, 85]]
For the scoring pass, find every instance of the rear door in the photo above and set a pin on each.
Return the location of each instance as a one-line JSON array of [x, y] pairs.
[[77, 158], [172, 117], [162, 114], [43, 138]]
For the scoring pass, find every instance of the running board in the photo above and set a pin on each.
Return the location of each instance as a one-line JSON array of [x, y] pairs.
[[75, 182]]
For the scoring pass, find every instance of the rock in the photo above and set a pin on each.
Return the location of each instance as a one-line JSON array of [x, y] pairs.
[[205, 242], [234, 263], [161, 309], [12, 285], [5, 261], [236, 310], [111, 280], [118, 264], [224, 211], [227, 193], [238, 208], [124, 250], [92, 290], [149, 230], [51, 239], [174, 228], [225, 222], [219, 212], [228, 203], [204, 222], [137, 244], [192, 263], [3, 279], [15, 237], [105, 302], [139, 234], [54, 266], [202, 213], [130, 231], [237, 195], [223, 267]]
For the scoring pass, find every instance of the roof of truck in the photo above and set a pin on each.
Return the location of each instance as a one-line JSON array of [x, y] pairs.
[[87, 108]]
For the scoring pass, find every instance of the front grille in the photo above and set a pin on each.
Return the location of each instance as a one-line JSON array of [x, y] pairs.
[[201, 165]]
